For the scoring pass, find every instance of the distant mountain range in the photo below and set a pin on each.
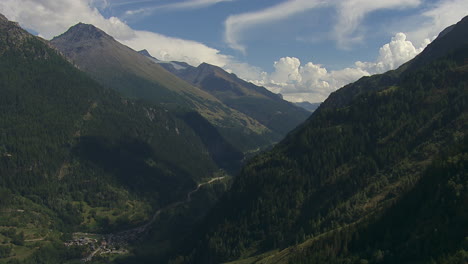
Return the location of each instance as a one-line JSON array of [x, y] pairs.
[[217, 81], [311, 107], [257, 102], [247, 123]]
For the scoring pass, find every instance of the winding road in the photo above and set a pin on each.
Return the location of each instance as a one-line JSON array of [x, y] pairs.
[[137, 232]]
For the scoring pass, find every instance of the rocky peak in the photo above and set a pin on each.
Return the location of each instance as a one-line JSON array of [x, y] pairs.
[[11, 34], [145, 53], [84, 32], [3, 18]]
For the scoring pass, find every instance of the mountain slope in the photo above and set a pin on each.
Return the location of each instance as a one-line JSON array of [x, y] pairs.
[[75, 156], [118, 67], [268, 108], [365, 149], [452, 38]]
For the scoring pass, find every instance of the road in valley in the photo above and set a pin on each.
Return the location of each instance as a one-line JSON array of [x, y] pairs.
[[125, 236]]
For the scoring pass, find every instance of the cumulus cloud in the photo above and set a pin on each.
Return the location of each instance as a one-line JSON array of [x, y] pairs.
[[393, 54], [313, 82], [50, 18]]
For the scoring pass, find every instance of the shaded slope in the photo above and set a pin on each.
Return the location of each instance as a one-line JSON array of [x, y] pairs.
[[75, 155], [351, 160]]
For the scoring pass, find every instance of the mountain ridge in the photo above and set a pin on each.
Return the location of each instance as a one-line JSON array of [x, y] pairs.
[[268, 108], [119, 67]]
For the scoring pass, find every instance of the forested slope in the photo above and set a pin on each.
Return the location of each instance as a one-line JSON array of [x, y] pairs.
[[75, 156], [347, 165]]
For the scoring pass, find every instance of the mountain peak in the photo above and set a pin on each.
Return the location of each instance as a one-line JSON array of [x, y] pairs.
[[11, 33], [3, 18], [145, 52], [207, 68], [451, 38], [82, 31]]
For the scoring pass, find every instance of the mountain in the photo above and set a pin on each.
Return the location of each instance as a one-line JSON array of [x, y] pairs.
[[444, 44], [76, 156], [311, 107], [257, 102], [377, 174], [120, 68]]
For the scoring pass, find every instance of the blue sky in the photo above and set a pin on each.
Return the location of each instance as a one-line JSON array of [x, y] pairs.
[[305, 35], [304, 49]]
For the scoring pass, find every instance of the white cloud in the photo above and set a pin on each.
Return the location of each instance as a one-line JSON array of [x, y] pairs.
[[193, 4], [243, 70], [188, 4], [352, 12], [296, 81], [439, 16], [235, 25], [350, 15], [51, 17], [313, 82], [393, 54], [174, 49]]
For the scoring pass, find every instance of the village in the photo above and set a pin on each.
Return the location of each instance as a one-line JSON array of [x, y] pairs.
[[99, 245]]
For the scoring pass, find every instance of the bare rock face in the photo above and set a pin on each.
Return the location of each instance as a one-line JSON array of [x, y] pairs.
[[13, 35]]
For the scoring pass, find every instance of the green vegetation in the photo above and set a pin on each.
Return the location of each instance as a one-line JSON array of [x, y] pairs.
[[376, 175], [75, 156], [359, 181]]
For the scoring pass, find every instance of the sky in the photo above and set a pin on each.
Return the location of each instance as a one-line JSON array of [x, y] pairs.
[[303, 49]]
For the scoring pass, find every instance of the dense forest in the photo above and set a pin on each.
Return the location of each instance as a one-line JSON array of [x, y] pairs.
[[75, 156], [337, 188]]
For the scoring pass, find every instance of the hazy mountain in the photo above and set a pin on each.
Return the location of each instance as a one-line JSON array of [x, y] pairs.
[[375, 175], [257, 102], [118, 67], [311, 107]]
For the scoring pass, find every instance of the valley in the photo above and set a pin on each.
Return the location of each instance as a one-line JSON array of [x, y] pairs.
[[109, 155], [115, 243]]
